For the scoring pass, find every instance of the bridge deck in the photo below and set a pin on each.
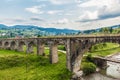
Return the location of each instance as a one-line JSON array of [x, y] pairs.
[[69, 37]]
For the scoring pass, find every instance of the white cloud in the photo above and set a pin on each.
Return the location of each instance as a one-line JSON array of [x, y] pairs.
[[110, 11], [41, 0], [62, 21], [88, 16], [104, 9], [59, 2], [99, 23], [36, 9], [96, 3], [54, 12], [68, 14]]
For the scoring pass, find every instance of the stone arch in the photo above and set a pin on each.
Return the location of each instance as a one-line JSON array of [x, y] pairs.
[[31, 43], [6, 45], [13, 45], [30, 47], [0, 43], [21, 46], [21, 43], [76, 49]]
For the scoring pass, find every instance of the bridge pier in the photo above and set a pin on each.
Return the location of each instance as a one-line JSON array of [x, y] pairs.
[[29, 49], [68, 59], [75, 50], [1, 45], [53, 52], [13, 46], [40, 48], [20, 48]]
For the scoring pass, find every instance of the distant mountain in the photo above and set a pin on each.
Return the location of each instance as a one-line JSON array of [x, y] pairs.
[[99, 29], [52, 30], [115, 26], [34, 31], [3, 26], [30, 30]]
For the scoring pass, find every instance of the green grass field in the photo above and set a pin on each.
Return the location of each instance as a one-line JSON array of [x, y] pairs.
[[19, 66], [105, 49]]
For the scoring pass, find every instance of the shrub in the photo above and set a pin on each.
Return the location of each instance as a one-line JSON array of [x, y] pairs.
[[89, 58], [61, 47], [88, 68], [98, 47]]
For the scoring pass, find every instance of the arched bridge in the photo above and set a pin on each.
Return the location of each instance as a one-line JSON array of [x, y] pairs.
[[75, 46]]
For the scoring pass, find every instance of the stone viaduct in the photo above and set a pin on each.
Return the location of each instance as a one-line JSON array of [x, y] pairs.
[[75, 47]]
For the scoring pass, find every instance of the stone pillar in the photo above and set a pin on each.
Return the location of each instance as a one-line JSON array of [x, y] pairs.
[[13, 46], [68, 59], [40, 48], [29, 48], [20, 48], [53, 52], [1, 45], [75, 50]]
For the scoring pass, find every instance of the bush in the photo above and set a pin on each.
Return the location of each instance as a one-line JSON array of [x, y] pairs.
[[61, 47], [98, 47], [88, 68], [89, 58]]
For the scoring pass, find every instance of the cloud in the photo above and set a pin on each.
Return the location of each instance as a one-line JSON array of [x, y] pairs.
[[60, 2], [88, 16], [109, 11], [68, 14], [41, 0], [36, 9], [103, 9], [95, 3], [54, 12], [62, 21], [18, 20], [36, 19]]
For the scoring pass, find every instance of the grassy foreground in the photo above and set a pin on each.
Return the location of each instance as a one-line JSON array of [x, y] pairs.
[[19, 66]]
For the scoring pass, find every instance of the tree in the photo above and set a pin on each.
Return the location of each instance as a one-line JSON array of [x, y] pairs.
[[105, 30]]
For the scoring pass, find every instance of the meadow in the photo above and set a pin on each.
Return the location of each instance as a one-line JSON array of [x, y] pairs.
[[20, 66]]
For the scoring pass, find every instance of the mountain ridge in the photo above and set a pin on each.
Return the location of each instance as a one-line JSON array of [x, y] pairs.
[[32, 31]]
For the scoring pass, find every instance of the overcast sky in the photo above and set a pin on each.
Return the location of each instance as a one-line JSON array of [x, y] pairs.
[[72, 14]]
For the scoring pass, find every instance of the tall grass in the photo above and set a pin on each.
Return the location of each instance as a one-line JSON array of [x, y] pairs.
[[19, 66]]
